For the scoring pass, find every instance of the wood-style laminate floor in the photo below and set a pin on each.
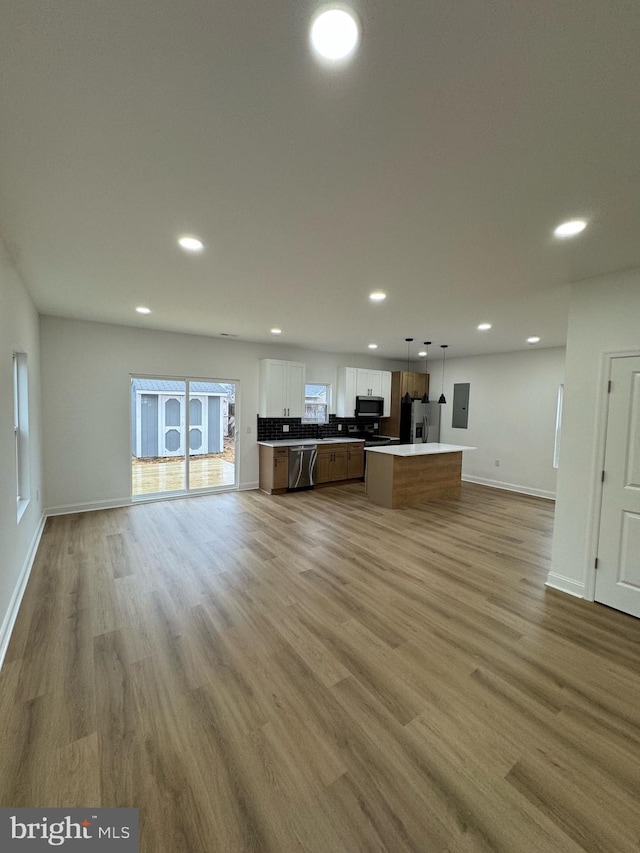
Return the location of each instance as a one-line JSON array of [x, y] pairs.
[[312, 673]]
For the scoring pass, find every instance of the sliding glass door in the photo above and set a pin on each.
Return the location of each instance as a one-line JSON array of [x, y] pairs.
[[182, 435]]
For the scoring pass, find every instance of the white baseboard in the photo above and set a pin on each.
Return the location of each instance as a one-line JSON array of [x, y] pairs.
[[511, 487], [90, 506], [568, 585], [114, 503], [16, 599]]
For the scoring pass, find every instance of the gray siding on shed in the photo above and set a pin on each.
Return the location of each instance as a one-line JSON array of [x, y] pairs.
[[216, 442], [145, 402], [148, 426]]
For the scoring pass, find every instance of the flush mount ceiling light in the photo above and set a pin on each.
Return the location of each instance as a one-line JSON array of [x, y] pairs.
[[377, 296], [373, 346], [570, 229], [534, 339], [484, 327], [142, 309], [276, 331], [190, 243], [334, 33]]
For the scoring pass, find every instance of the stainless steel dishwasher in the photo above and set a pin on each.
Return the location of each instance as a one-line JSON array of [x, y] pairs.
[[302, 466]]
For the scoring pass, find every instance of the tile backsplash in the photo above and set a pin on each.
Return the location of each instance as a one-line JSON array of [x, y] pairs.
[[270, 429]]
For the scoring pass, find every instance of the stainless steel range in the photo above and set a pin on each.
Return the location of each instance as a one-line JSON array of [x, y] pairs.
[[368, 432]]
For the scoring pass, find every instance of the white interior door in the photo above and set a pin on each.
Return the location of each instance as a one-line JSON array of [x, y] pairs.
[[618, 567]]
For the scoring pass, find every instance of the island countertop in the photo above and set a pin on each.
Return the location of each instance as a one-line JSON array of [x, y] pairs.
[[405, 474], [418, 449]]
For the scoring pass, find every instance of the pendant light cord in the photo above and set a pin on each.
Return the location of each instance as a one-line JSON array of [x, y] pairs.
[[443, 399], [425, 396]]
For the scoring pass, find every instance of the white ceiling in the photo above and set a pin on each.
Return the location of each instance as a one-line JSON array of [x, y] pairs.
[[435, 166]]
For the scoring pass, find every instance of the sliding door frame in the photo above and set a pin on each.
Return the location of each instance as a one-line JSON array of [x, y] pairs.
[[187, 490]]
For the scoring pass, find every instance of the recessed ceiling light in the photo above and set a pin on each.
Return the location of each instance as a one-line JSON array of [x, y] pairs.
[[534, 339], [334, 32], [422, 353], [373, 346], [276, 331], [142, 309], [570, 229], [484, 327], [377, 296], [191, 244]]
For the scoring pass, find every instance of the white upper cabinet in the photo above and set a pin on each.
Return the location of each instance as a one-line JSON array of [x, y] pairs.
[[281, 388], [347, 392], [368, 383], [358, 382]]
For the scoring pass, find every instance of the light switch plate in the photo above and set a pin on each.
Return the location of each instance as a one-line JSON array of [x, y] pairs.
[[285, 427]]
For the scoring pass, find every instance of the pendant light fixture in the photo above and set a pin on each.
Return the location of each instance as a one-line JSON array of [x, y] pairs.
[[443, 399], [425, 396], [407, 396]]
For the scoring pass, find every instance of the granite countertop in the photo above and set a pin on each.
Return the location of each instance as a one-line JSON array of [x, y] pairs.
[[297, 442], [418, 449]]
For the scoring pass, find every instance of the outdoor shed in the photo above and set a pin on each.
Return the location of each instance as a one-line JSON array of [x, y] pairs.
[[159, 417]]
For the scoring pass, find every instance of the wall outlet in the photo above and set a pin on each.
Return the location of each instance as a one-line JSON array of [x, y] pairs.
[[497, 463], [285, 427], [339, 427], [248, 430]]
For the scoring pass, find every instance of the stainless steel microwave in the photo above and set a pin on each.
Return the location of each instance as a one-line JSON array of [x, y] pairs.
[[369, 407]]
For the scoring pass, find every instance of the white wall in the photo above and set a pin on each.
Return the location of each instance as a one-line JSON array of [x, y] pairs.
[[18, 540], [604, 316], [86, 369], [512, 416]]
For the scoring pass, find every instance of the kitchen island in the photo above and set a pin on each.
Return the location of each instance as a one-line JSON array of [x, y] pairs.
[[405, 474]]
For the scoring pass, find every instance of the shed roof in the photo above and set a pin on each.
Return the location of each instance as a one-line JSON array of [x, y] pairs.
[[163, 386], [311, 390]]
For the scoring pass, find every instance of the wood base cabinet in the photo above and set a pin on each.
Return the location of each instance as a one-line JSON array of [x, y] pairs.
[[274, 469], [336, 463], [331, 465], [355, 461], [339, 462]]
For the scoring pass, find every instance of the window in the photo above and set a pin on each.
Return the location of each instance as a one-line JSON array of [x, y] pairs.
[[556, 446], [317, 397], [21, 430]]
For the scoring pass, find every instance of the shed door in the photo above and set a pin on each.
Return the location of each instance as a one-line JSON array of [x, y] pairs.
[[198, 433], [171, 425]]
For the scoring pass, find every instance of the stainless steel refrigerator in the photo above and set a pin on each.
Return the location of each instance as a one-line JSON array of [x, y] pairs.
[[419, 422]]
